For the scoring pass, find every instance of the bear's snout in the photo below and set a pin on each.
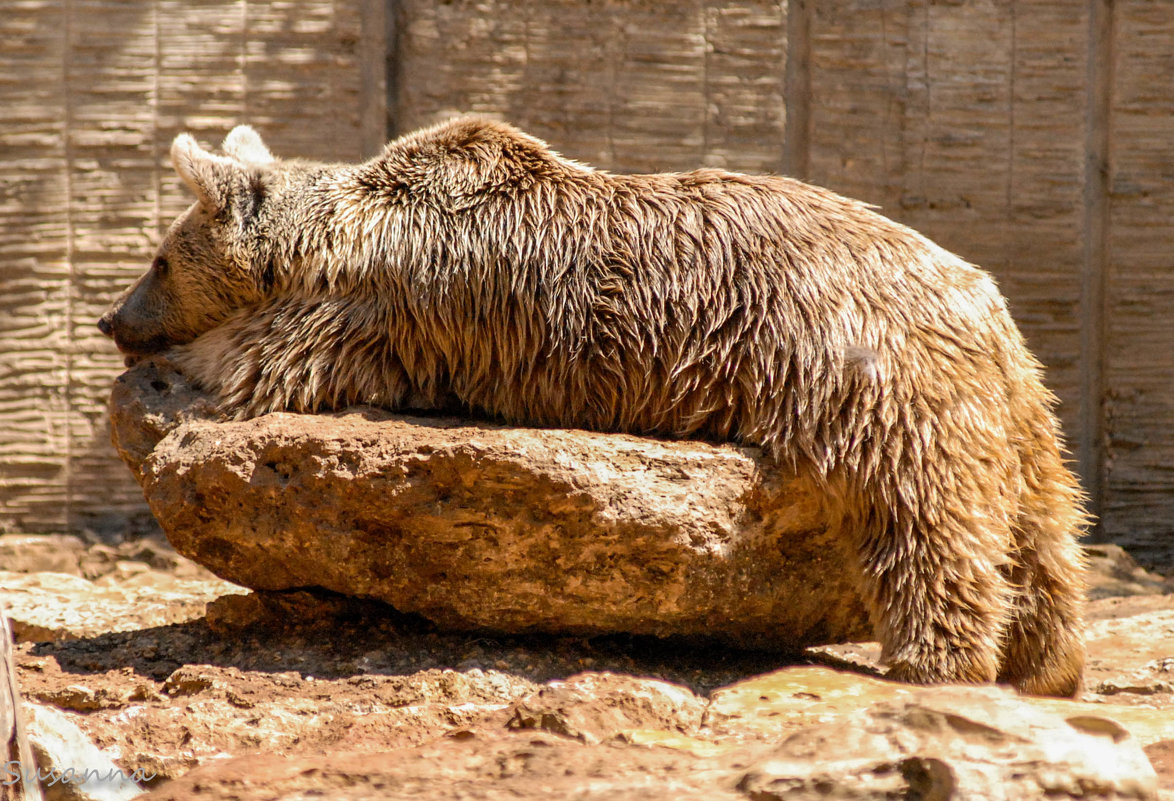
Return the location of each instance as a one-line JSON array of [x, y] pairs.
[[132, 340]]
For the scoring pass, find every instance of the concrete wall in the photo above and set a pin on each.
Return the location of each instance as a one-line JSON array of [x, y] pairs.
[[91, 95], [1034, 138]]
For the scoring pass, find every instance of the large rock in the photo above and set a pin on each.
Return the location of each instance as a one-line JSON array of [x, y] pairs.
[[482, 526]]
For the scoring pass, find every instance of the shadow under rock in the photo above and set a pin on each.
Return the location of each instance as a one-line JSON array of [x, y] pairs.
[[327, 636]]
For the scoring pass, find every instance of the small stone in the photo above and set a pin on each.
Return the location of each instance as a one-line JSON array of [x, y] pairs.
[[594, 707], [188, 680], [78, 770], [79, 698], [41, 553]]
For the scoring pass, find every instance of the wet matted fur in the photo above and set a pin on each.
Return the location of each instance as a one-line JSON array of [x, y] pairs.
[[470, 264]]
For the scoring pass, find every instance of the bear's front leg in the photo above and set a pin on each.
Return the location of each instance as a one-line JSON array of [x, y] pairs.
[[293, 355]]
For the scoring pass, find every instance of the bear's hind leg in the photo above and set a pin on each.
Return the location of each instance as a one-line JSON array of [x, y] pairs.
[[1044, 650], [940, 618], [933, 576]]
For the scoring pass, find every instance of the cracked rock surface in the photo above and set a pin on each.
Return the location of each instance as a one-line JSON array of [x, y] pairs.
[[476, 526]]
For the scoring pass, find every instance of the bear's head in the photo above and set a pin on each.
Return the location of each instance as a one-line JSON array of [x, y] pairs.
[[205, 267]]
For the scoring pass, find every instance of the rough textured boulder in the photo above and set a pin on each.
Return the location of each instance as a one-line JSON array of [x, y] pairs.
[[481, 526]]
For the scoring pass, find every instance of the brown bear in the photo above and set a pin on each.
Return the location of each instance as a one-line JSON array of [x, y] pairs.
[[470, 264]]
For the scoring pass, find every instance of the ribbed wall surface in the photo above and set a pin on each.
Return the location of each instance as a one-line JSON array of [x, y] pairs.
[[1034, 138]]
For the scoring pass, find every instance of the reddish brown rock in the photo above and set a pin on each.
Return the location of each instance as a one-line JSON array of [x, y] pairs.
[[947, 743], [58, 606], [477, 526], [955, 743], [595, 707]]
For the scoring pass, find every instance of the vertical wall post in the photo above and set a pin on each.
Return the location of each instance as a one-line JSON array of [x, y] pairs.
[[797, 91], [375, 52], [1095, 273]]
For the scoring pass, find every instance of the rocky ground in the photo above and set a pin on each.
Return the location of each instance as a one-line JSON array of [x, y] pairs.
[[217, 692]]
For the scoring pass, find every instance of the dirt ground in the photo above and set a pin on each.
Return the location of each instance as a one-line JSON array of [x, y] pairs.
[[169, 668]]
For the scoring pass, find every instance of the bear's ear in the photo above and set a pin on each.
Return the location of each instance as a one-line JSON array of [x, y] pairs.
[[214, 179], [245, 145]]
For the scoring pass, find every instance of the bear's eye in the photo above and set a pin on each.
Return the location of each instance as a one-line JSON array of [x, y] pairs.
[[160, 266]]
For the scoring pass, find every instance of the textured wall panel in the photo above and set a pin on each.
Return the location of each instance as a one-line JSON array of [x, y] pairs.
[[93, 92], [110, 82], [35, 291], [967, 122], [1140, 349], [626, 85]]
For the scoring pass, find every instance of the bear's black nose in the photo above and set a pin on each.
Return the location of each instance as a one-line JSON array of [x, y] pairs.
[[105, 327]]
